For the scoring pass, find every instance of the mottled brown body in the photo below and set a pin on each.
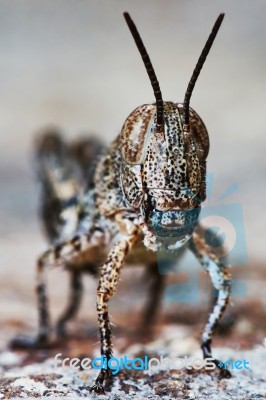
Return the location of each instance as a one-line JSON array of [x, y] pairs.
[[145, 190]]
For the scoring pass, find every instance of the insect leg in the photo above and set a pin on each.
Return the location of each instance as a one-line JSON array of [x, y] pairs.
[[155, 292], [59, 254], [221, 281], [43, 312], [107, 287], [61, 186], [76, 290]]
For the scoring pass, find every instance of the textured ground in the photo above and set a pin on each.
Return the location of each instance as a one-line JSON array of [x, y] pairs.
[[24, 378], [31, 374]]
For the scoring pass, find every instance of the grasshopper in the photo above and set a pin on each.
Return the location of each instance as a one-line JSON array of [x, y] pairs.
[[146, 187]]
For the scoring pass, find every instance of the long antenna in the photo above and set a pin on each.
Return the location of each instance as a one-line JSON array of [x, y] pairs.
[[149, 69], [199, 66]]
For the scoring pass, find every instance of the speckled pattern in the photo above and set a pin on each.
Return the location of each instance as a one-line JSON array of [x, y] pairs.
[[111, 217], [148, 185], [170, 162]]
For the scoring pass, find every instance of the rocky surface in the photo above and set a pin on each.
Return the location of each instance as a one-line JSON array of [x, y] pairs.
[[241, 336], [36, 374]]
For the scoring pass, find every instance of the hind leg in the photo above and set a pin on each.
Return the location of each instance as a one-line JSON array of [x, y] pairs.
[[42, 338], [155, 291], [221, 281], [56, 256], [76, 290], [64, 252]]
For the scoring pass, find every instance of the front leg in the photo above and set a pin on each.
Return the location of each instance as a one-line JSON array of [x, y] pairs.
[[108, 282], [221, 281]]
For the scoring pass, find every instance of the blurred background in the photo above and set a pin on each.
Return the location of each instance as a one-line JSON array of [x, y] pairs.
[[73, 65]]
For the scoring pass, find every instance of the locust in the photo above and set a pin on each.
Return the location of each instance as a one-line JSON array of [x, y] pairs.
[[103, 205]]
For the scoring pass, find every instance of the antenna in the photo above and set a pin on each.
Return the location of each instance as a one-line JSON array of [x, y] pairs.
[[150, 71], [199, 66]]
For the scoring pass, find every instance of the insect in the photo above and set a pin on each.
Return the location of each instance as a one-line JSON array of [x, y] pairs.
[[147, 186]]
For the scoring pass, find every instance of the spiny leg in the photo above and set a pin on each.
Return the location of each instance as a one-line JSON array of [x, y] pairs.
[[44, 319], [43, 311], [107, 287], [60, 254], [76, 290], [221, 281]]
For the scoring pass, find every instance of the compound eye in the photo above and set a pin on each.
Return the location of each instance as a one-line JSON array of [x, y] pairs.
[[135, 134], [199, 133]]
